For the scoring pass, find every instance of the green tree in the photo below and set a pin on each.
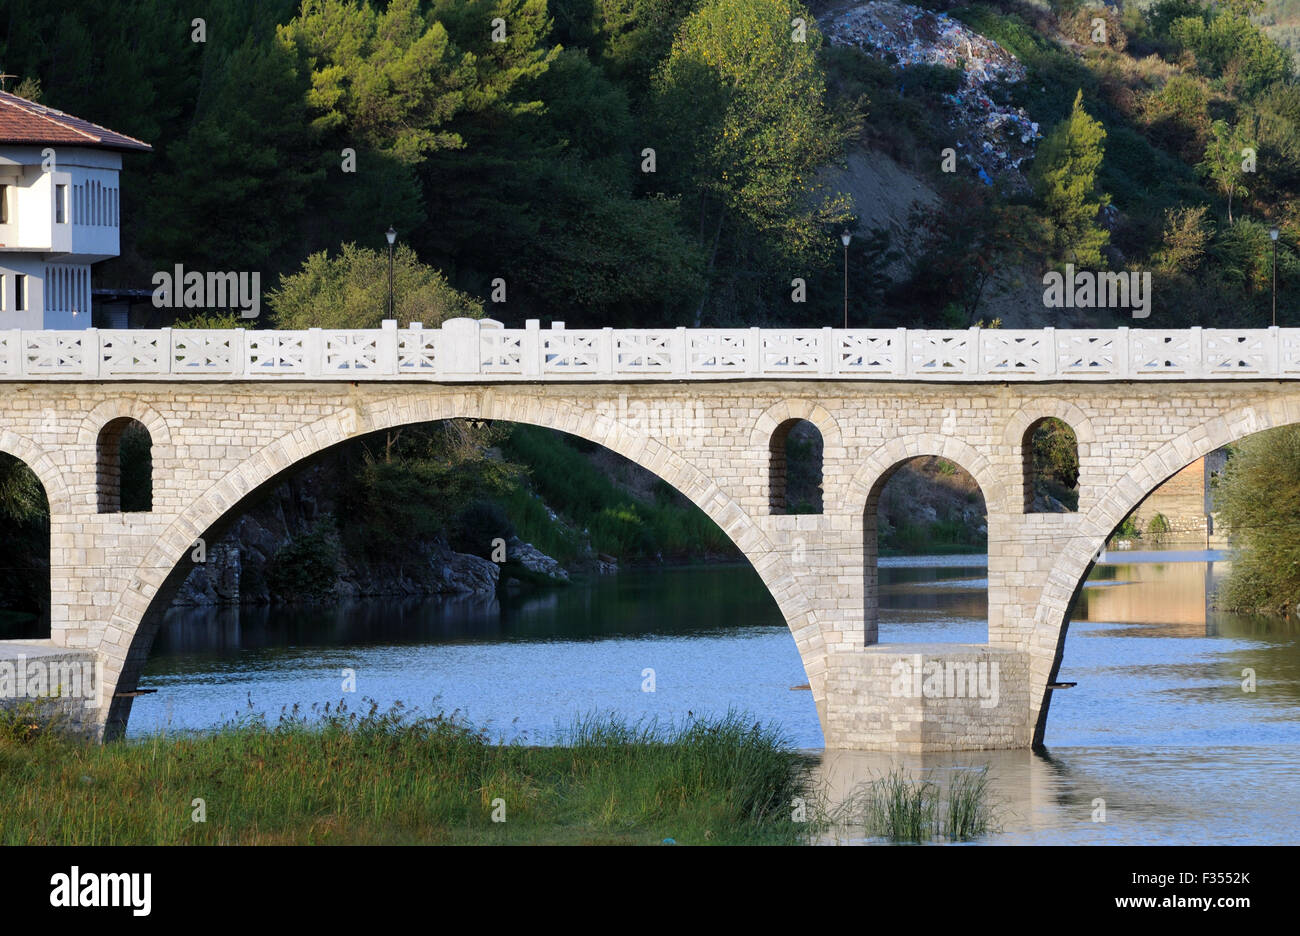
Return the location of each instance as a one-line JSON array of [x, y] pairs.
[[236, 184], [1228, 46], [1183, 243], [976, 236], [1258, 501], [628, 38], [1244, 251], [391, 79], [350, 290], [745, 128], [410, 490], [1065, 179], [1224, 160]]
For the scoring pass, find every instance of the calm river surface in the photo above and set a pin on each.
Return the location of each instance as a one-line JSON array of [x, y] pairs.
[[1158, 726]]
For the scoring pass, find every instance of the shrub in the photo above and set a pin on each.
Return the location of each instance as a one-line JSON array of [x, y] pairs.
[[1258, 501], [304, 569]]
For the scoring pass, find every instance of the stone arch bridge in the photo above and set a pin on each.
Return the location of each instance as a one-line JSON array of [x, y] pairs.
[[227, 411]]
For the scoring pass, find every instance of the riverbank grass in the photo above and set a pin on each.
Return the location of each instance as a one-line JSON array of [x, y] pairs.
[[393, 778], [900, 809]]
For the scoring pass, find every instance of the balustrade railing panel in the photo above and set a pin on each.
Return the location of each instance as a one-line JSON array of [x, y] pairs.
[[643, 352], [275, 352], [351, 352], [203, 351], [796, 351], [1247, 351], [1168, 352], [47, 353], [123, 351], [482, 350], [1088, 353]]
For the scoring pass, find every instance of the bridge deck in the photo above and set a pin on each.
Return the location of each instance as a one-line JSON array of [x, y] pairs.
[[482, 350]]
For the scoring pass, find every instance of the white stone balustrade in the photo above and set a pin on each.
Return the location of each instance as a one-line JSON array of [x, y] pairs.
[[481, 350]]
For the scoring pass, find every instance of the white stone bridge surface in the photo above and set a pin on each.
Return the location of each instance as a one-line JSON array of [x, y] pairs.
[[706, 410]]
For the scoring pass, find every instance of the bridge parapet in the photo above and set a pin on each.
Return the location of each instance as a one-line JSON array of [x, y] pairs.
[[481, 350]]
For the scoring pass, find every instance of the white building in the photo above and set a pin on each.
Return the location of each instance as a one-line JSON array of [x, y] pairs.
[[59, 212]]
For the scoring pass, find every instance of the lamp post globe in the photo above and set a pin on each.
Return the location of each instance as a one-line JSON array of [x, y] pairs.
[[845, 237], [1273, 234], [391, 235]]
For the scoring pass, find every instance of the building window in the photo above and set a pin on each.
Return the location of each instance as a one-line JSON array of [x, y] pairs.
[[60, 204], [20, 292], [4, 204]]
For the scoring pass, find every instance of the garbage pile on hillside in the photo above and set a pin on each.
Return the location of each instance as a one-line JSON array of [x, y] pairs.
[[994, 138]]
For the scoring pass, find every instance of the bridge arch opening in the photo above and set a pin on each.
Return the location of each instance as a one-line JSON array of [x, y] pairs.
[[24, 552], [1186, 600], [795, 468], [124, 467], [672, 477], [1051, 467], [925, 545]]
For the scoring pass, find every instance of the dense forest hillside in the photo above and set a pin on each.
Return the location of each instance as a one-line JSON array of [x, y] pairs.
[[628, 161]]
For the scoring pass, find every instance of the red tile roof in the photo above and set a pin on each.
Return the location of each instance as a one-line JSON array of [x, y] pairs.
[[25, 122]]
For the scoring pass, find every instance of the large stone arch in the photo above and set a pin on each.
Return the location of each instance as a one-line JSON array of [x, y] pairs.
[[1075, 559], [131, 629]]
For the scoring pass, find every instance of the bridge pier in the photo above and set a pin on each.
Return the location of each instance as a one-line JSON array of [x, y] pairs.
[[928, 697]]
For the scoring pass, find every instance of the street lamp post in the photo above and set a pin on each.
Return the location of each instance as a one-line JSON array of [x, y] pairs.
[[1273, 233], [392, 238], [844, 239]]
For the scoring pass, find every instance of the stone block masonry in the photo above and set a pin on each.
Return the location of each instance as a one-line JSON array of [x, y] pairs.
[[214, 442]]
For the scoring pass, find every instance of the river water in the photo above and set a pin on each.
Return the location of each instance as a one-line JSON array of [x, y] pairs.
[[1158, 736]]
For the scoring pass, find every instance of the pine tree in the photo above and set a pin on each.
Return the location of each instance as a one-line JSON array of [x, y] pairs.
[[1065, 179]]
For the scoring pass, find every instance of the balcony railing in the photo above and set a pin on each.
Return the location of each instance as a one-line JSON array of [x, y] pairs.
[[469, 350]]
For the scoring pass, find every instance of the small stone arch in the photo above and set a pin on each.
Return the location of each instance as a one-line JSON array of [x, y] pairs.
[[141, 412], [1022, 422], [1041, 407], [770, 430], [130, 618], [1028, 469], [877, 466], [771, 418], [112, 494], [781, 500]]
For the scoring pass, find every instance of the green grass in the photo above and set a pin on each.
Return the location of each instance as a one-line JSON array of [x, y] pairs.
[[901, 809], [396, 778]]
